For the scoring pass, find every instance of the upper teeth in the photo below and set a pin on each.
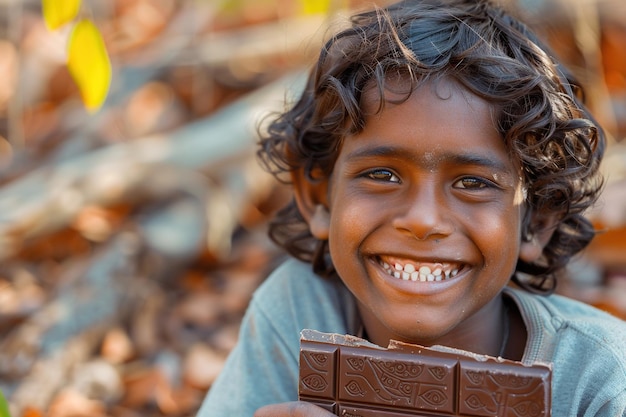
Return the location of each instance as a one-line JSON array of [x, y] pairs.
[[432, 272]]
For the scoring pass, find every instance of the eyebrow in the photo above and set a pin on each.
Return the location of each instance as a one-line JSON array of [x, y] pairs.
[[460, 158]]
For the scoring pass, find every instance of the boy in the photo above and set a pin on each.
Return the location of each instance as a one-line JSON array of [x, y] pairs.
[[441, 164]]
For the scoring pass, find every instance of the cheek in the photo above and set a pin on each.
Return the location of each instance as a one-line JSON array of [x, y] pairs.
[[345, 228], [350, 214], [351, 223], [499, 236], [503, 240]]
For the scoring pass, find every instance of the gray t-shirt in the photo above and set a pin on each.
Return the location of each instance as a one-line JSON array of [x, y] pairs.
[[586, 346]]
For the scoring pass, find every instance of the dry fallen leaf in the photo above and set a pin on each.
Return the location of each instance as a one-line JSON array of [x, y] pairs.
[[70, 403], [117, 347], [202, 365]]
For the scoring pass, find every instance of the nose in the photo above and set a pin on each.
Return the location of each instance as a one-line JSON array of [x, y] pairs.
[[424, 213]]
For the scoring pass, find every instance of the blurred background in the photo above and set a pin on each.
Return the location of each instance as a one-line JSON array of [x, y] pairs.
[[131, 238]]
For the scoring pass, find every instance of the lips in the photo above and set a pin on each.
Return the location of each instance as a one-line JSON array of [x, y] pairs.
[[419, 271]]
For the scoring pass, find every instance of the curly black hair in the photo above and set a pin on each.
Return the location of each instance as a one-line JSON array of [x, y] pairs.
[[538, 109]]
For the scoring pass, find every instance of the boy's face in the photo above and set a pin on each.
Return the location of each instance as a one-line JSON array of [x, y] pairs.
[[427, 187]]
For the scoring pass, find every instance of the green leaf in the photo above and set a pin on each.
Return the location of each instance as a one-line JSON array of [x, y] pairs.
[[4, 407], [56, 13], [89, 64]]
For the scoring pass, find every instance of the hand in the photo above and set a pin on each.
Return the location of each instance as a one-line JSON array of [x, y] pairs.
[[292, 409]]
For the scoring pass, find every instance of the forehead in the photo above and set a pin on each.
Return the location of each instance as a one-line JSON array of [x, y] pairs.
[[440, 106], [398, 88], [436, 121]]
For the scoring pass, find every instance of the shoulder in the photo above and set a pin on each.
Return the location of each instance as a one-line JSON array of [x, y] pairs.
[[587, 327], [293, 295], [292, 274], [294, 280], [573, 320], [585, 347], [588, 322], [556, 312], [263, 367]]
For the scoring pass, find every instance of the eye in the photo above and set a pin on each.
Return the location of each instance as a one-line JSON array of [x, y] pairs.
[[472, 183], [381, 174]]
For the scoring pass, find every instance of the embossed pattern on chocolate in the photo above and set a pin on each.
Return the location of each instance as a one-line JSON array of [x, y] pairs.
[[352, 377]]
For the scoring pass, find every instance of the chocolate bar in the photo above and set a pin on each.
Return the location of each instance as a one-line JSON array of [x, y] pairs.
[[352, 377]]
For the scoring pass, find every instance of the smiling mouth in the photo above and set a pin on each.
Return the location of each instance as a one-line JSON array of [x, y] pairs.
[[422, 271]]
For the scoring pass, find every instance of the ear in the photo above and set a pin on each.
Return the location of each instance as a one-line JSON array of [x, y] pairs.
[[312, 202], [536, 237]]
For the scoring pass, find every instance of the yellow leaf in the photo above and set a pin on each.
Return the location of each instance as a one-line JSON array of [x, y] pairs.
[[310, 7], [88, 62], [56, 13], [315, 6]]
